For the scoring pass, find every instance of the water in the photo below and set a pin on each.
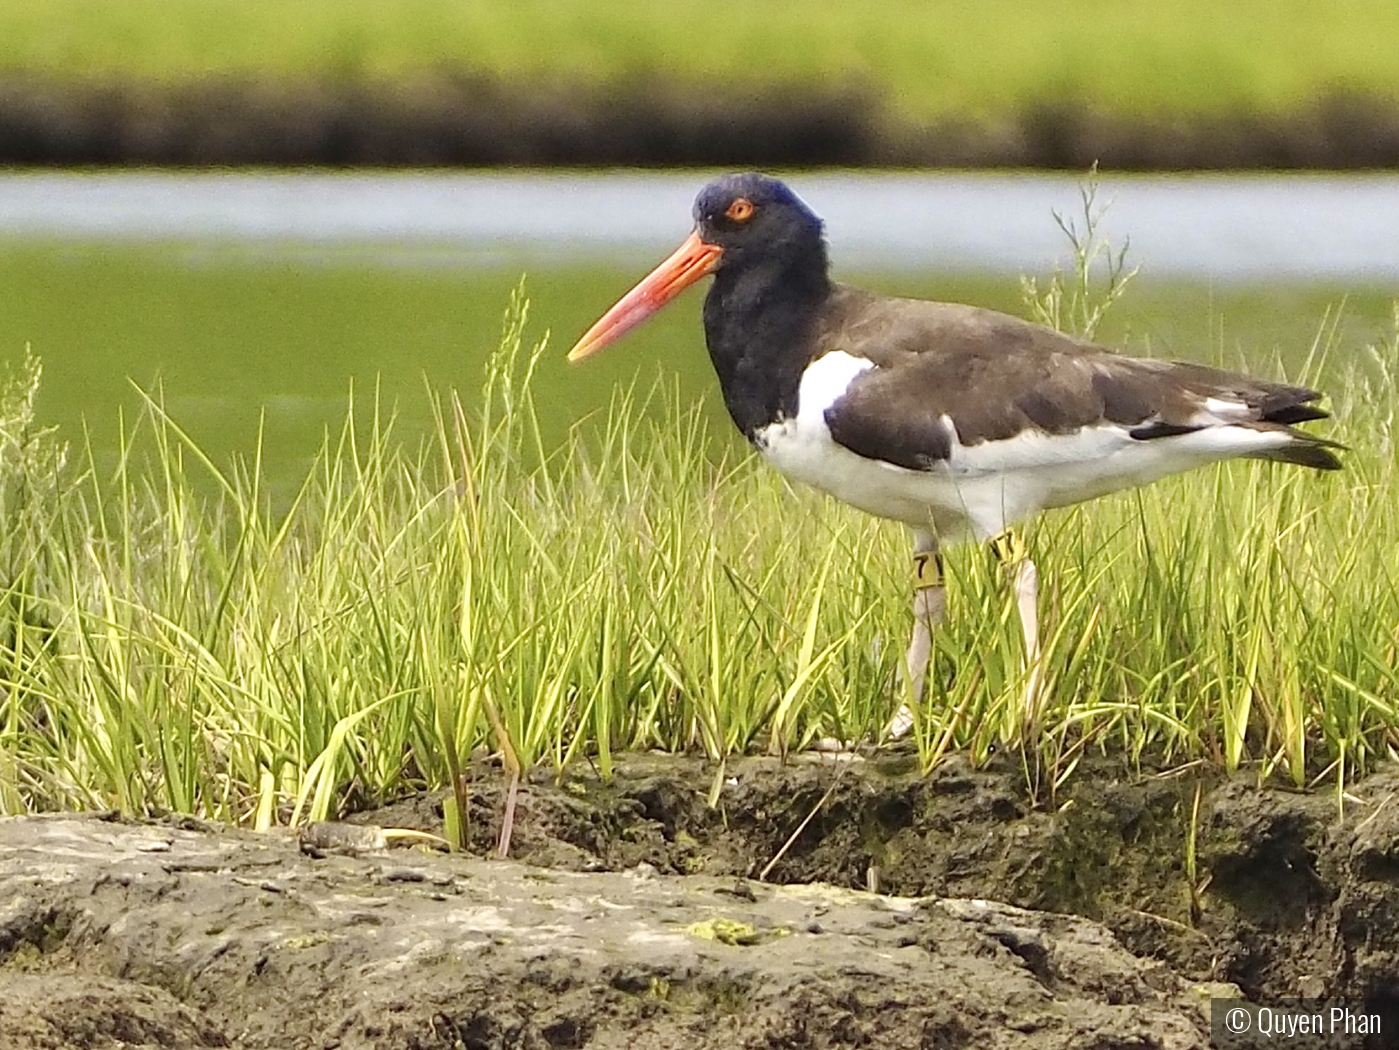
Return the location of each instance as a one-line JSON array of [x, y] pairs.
[[1235, 227]]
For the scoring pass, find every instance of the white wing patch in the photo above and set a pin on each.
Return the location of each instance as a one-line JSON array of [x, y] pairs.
[[1217, 410], [825, 382], [801, 445]]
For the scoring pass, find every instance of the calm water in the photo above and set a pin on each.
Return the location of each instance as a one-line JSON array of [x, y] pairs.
[[268, 296], [1220, 227]]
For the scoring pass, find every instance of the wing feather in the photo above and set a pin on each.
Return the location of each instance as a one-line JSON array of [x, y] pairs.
[[993, 377]]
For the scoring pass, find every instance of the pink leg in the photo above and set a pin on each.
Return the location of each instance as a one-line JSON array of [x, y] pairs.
[[929, 610], [1010, 550]]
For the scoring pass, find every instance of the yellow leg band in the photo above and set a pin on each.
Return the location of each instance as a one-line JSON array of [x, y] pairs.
[[927, 570], [1009, 548]]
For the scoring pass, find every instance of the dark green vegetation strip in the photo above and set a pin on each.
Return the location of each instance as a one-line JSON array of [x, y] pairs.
[[1178, 84]]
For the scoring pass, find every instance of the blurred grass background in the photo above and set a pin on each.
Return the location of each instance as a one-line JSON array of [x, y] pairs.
[[971, 59]]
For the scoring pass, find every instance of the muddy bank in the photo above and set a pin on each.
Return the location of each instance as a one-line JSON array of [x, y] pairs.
[[469, 121], [1286, 897], [146, 935], [632, 914]]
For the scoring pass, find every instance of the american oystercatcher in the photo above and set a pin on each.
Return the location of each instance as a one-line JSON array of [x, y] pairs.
[[957, 421]]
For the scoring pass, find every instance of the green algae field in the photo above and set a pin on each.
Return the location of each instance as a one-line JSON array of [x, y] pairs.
[[242, 336]]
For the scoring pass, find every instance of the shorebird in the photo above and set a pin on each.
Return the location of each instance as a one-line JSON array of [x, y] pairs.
[[959, 422]]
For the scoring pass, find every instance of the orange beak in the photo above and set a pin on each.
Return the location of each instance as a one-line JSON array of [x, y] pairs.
[[692, 260]]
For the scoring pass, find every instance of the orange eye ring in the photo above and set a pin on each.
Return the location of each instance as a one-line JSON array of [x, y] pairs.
[[741, 210]]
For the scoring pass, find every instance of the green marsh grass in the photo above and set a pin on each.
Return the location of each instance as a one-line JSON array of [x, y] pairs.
[[268, 661], [981, 61]]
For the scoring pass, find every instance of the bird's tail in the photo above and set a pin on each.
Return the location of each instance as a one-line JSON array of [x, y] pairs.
[[1305, 450], [1283, 406]]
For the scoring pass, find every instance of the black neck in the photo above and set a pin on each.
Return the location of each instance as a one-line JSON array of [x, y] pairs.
[[759, 323]]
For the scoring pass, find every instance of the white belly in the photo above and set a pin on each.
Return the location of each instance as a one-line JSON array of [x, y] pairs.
[[982, 489]]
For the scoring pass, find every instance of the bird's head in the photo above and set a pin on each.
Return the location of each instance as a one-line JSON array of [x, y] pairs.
[[740, 221], [753, 216]]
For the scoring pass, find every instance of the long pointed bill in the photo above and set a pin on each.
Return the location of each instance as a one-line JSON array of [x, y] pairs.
[[691, 261]]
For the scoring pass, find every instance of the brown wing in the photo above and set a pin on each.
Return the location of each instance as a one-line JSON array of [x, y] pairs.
[[929, 356]]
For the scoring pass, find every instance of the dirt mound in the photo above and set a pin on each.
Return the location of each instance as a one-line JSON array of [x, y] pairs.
[[636, 919], [137, 935], [1287, 896]]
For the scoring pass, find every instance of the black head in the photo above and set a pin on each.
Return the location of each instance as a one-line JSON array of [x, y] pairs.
[[753, 217], [761, 243]]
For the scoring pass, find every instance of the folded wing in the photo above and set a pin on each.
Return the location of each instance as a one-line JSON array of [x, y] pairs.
[[912, 408]]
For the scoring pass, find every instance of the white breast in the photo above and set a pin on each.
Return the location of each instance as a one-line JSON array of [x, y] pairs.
[[801, 447]]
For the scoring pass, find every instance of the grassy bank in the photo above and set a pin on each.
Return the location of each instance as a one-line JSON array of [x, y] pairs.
[[1181, 84], [160, 651], [952, 59]]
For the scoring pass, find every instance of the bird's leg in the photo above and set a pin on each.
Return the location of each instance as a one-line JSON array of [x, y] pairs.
[[1010, 550], [929, 608]]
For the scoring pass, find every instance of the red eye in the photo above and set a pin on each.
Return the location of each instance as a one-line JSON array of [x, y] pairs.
[[741, 210]]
